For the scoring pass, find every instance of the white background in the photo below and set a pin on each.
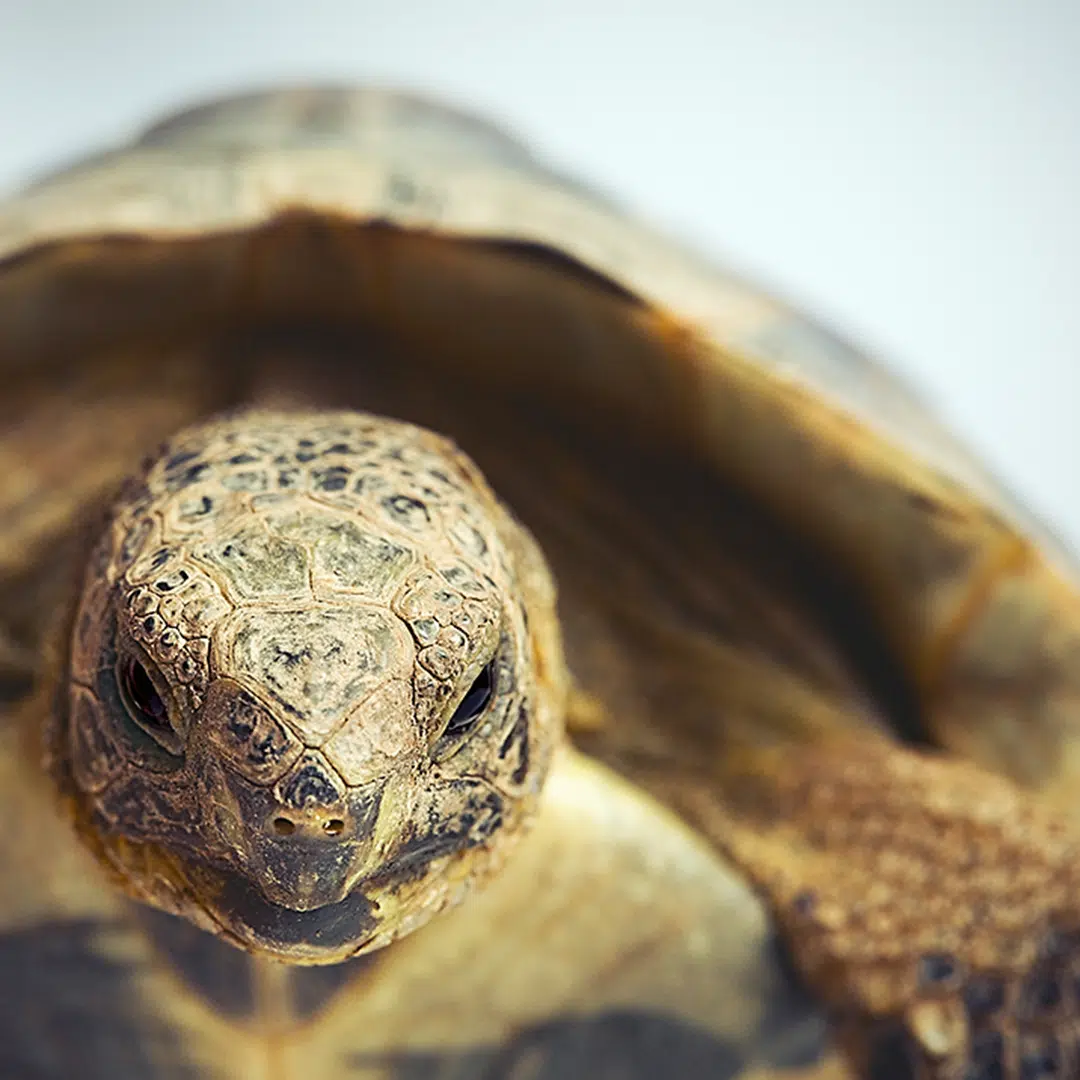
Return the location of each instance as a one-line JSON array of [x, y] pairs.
[[909, 171]]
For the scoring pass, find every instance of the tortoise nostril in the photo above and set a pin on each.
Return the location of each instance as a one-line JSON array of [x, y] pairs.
[[286, 826]]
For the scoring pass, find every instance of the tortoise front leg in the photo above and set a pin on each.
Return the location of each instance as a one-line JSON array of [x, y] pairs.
[[933, 906]]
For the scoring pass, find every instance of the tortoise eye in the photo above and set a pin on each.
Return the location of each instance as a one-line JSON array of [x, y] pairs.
[[472, 704], [142, 700]]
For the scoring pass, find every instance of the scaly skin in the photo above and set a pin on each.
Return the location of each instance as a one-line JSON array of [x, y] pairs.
[[933, 906], [268, 727]]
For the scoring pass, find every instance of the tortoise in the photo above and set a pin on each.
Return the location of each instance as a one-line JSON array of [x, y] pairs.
[[448, 630]]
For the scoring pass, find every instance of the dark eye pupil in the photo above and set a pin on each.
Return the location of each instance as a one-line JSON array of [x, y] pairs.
[[142, 696], [472, 704]]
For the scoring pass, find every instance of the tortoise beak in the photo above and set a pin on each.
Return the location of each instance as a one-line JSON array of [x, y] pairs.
[[304, 872], [299, 857], [317, 934]]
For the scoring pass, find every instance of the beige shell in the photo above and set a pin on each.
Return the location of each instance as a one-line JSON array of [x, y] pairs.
[[771, 559]]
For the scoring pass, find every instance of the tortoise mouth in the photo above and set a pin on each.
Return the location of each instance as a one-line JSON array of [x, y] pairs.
[[320, 935]]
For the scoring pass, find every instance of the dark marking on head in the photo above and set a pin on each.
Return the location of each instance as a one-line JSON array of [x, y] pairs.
[[290, 659], [251, 481], [179, 459], [149, 807], [407, 510], [462, 579], [199, 508], [173, 581], [260, 738], [332, 479], [310, 785], [178, 481], [134, 540], [518, 736], [474, 824]]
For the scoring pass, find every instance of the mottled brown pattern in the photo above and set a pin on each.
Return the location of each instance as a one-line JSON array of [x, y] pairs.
[[935, 907], [307, 598]]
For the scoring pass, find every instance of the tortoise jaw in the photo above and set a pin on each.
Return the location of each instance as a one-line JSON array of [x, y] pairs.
[[231, 906], [228, 903], [320, 935]]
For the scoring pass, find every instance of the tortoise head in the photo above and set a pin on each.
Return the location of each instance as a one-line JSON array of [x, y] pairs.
[[314, 682]]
